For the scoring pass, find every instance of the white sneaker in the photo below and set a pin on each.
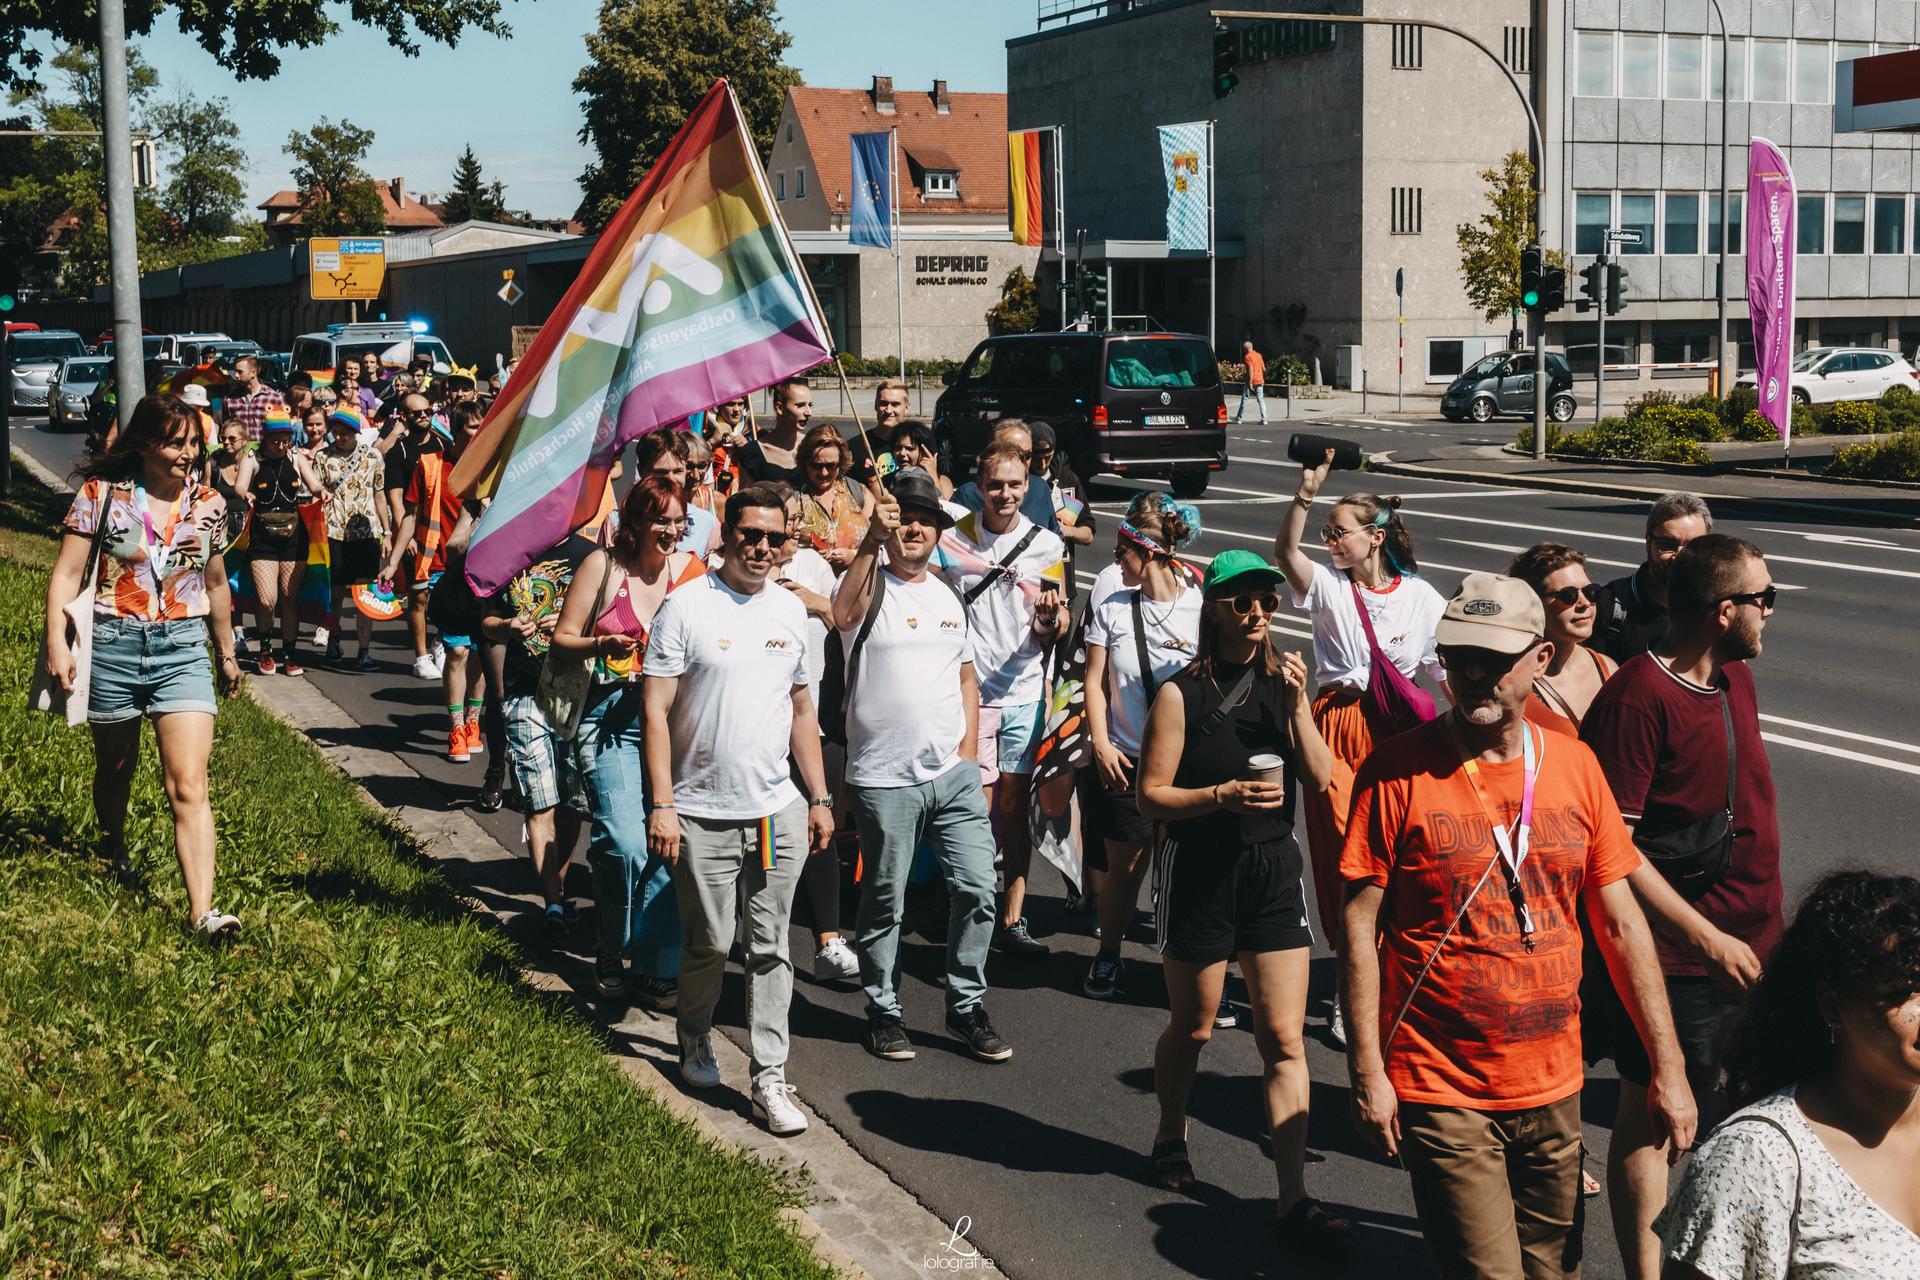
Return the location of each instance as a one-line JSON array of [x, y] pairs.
[[218, 926], [773, 1103], [1337, 1023], [424, 668], [836, 962], [438, 652], [697, 1065]]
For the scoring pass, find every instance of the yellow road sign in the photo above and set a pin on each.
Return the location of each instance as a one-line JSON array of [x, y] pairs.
[[341, 270]]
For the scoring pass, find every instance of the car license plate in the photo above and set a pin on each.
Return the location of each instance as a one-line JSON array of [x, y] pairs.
[[1166, 419]]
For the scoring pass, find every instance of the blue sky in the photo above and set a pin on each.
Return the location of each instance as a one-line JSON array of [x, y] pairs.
[[512, 99]]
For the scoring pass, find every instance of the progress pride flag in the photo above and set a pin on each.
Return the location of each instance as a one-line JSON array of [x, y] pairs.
[[1770, 247]]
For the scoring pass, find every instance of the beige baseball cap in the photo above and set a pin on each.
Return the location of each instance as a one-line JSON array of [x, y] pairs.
[[1492, 611]]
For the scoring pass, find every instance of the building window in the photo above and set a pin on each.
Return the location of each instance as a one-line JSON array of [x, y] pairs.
[[1682, 223], [1681, 342], [1684, 66], [1848, 52], [1889, 224], [1409, 47], [1810, 217], [1770, 71], [1737, 86], [1736, 233], [789, 132], [942, 184], [1639, 66], [1623, 349], [1636, 214], [799, 184], [1518, 48], [1849, 224], [1594, 77], [1407, 210], [1448, 358], [1592, 215], [1812, 71], [780, 185]]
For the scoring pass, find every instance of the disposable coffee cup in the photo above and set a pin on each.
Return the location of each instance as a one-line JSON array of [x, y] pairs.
[[1311, 451], [1267, 768]]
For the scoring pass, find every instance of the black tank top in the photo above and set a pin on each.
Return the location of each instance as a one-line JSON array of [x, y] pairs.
[[276, 486], [1257, 726]]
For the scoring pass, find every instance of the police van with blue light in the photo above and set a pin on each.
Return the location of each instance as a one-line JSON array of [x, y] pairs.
[[394, 344]]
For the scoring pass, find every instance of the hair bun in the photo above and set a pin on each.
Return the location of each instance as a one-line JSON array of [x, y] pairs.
[[1395, 501], [1189, 515]]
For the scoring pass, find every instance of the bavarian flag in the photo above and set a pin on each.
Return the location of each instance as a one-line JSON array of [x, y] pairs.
[[1033, 186], [693, 295]]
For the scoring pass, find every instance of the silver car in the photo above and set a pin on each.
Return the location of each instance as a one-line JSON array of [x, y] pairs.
[[77, 379], [35, 359]]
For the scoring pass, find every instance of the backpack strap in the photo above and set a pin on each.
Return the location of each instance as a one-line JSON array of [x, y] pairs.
[[987, 579], [866, 629]]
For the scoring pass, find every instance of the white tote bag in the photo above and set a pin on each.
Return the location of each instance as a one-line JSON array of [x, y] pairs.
[[45, 693]]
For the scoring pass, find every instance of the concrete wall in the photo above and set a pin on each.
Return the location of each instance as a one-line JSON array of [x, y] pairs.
[[948, 286]]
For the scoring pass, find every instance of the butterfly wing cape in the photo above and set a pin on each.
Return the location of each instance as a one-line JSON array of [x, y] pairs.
[[693, 295]]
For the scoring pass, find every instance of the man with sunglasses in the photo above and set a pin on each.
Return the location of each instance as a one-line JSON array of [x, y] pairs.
[[1632, 611], [727, 706], [1473, 843], [411, 438], [1678, 732]]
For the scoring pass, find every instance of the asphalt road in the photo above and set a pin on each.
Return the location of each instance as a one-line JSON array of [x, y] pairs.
[[1044, 1155]]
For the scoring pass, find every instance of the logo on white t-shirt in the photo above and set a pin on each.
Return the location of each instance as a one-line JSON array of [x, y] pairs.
[[914, 623]]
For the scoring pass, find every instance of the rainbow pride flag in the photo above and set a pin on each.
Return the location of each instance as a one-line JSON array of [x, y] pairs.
[[692, 296], [321, 378]]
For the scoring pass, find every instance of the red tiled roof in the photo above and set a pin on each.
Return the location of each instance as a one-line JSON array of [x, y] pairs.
[[403, 214], [971, 138]]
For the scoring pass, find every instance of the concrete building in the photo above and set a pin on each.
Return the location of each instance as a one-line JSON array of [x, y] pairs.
[[951, 183], [1348, 154]]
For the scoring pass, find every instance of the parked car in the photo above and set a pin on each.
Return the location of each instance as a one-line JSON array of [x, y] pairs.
[[173, 346], [224, 352], [1821, 375], [76, 381], [149, 346], [1502, 384], [1126, 404], [35, 358], [393, 343]]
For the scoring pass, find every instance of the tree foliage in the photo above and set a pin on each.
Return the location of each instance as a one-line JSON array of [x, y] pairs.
[[244, 36], [1490, 249], [1018, 310], [473, 198], [339, 195], [649, 64], [203, 162]]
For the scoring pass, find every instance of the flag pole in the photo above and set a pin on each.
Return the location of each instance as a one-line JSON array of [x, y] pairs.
[[1060, 212], [1213, 303], [853, 405], [899, 292]]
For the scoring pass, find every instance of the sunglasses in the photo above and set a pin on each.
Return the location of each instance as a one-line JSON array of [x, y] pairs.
[[1243, 603], [1764, 599], [1567, 597], [1333, 533], [776, 538], [1668, 546]]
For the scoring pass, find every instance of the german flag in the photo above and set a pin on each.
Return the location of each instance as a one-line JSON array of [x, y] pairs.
[[1033, 191]]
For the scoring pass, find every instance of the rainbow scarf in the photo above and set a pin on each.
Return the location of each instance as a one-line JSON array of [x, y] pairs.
[[693, 295]]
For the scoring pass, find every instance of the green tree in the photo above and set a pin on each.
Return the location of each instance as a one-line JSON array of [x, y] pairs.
[[327, 170], [1490, 249], [649, 62], [204, 193], [244, 36], [472, 197], [1018, 310]]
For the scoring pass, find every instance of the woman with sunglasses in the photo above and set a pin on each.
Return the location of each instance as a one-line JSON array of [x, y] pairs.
[[1558, 575], [1226, 742], [833, 510], [1374, 568], [637, 914], [1137, 639]]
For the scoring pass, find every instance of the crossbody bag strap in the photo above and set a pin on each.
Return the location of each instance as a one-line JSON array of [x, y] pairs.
[[1141, 647], [866, 629], [1375, 653], [91, 576], [1553, 696], [1218, 716], [974, 592], [1726, 719]]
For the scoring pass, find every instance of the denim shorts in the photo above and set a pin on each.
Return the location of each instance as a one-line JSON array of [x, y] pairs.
[[1008, 737], [149, 669]]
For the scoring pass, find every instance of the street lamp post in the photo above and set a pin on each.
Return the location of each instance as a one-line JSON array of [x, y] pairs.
[[1539, 167], [123, 262]]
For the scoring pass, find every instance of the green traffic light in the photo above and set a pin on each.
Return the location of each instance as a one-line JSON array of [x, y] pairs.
[[6, 302], [1530, 298]]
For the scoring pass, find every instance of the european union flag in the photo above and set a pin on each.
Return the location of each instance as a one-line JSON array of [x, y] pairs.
[[872, 190]]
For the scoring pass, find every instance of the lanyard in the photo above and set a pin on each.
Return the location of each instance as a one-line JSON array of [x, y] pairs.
[[1512, 849], [158, 551]]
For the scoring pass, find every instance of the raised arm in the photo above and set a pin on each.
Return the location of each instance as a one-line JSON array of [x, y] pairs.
[[1286, 544]]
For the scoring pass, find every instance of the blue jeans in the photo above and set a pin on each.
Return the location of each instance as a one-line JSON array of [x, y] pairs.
[[950, 813], [633, 903], [1259, 395]]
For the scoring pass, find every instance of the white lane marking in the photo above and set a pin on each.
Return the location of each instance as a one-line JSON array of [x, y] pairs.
[[1617, 564], [1841, 733], [1843, 540], [1899, 766]]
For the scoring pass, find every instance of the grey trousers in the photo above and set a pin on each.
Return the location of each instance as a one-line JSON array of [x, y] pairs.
[[719, 871]]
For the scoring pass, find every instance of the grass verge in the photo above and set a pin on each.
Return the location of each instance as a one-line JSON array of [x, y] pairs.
[[362, 1086]]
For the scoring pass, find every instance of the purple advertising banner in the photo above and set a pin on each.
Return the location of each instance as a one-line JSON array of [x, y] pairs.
[[1770, 248]]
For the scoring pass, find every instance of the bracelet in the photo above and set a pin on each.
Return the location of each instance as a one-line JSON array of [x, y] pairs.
[[1302, 499], [664, 804], [1216, 794], [820, 802]]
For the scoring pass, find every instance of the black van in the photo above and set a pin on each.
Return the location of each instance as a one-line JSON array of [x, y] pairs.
[[1126, 404], [1502, 383]]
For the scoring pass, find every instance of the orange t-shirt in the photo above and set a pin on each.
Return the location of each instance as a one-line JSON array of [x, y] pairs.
[[1256, 369], [1494, 1027]]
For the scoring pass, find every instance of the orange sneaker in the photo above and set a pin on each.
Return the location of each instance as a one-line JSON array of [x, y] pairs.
[[476, 740], [457, 745]]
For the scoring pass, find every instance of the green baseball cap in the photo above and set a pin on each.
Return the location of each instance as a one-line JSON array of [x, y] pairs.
[[1239, 568]]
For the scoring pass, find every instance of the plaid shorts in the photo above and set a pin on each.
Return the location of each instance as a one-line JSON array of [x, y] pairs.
[[546, 770]]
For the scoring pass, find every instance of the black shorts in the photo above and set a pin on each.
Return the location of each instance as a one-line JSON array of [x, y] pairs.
[[1117, 814], [1215, 904], [1703, 1016], [262, 545], [352, 563]]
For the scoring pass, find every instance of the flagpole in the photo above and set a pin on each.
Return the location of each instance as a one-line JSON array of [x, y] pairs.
[[893, 199], [854, 405], [1060, 212], [1213, 305]]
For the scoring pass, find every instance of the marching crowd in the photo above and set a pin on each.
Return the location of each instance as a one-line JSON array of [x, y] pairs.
[[781, 646]]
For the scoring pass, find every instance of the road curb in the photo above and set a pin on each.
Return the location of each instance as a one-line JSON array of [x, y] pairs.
[[1555, 484]]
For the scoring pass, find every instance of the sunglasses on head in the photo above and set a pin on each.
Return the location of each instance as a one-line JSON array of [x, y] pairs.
[[775, 538], [1243, 603], [1569, 596], [1765, 599]]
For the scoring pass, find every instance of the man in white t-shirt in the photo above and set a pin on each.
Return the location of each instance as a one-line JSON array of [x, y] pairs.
[[1009, 574], [911, 762], [726, 702]]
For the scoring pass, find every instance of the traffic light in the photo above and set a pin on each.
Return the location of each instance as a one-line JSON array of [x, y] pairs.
[[1530, 281], [1226, 56], [1096, 293], [1616, 288], [1553, 289], [1593, 285]]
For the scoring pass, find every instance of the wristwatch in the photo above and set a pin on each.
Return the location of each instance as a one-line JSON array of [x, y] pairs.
[[820, 802]]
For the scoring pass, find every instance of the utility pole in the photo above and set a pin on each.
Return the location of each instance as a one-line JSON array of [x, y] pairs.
[[1600, 338], [123, 250]]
